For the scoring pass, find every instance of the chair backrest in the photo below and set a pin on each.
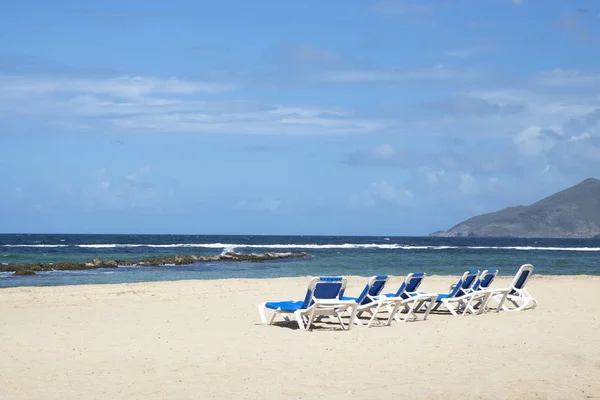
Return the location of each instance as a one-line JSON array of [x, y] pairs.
[[411, 284], [372, 288], [324, 288], [521, 277], [485, 279], [465, 283]]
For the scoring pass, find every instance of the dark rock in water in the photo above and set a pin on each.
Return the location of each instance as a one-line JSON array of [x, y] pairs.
[[571, 213], [156, 261], [24, 272]]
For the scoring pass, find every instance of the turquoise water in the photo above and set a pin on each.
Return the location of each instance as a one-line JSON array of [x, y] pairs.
[[331, 255]]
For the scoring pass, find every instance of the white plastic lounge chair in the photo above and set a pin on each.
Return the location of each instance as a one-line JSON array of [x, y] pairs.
[[323, 298], [483, 284], [516, 293], [369, 298], [462, 294], [412, 300]]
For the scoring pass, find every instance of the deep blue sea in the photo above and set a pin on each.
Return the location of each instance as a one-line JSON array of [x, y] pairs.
[[331, 255]]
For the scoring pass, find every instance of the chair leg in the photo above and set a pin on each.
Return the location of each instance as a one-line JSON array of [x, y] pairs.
[[449, 307], [411, 309], [374, 314], [273, 317], [354, 310], [299, 318], [393, 311], [500, 305], [430, 306], [262, 312]]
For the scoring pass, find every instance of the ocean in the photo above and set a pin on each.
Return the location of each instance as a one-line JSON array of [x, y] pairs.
[[331, 255]]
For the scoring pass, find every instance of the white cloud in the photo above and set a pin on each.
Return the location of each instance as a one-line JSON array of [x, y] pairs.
[[577, 138], [104, 184], [535, 140], [546, 169], [126, 87], [148, 104]]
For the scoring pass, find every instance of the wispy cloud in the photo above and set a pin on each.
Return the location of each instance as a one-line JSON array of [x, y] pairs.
[[126, 87], [167, 105]]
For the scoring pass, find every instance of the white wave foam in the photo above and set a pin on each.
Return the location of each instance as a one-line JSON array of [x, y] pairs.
[[35, 245], [228, 249], [231, 246]]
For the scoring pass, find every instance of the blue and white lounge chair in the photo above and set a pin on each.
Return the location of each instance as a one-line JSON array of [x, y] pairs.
[[369, 298], [323, 297], [483, 285], [462, 294], [516, 293], [412, 300]]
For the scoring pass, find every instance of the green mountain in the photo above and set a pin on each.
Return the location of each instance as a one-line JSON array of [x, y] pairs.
[[571, 213]]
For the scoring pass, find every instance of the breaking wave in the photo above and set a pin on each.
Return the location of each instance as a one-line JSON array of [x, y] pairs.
[[226, 247]]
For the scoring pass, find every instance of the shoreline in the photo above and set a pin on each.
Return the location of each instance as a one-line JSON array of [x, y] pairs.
[[452, 277]]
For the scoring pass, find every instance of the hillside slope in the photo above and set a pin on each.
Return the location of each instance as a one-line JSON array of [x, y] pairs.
[[571, 213]]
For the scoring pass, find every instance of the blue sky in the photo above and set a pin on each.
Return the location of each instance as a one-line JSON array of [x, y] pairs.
[[389, 117]]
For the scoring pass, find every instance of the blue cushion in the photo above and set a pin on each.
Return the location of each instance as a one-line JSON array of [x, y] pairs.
[[443, 296], [289, 305], [404, 295], [521, 281]]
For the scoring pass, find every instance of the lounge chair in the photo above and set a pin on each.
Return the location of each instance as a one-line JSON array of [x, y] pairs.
[[462, 294], [323, 298], [369, 298], [516, 293], [412, 300], [483, 284]]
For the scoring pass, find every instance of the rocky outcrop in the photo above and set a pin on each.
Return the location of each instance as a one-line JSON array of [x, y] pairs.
[[571, 213], [157, 261]]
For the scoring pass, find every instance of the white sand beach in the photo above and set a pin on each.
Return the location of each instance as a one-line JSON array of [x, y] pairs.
[[204, 340]]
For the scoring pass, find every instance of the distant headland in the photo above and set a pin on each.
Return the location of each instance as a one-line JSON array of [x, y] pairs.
[[571, 213]]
